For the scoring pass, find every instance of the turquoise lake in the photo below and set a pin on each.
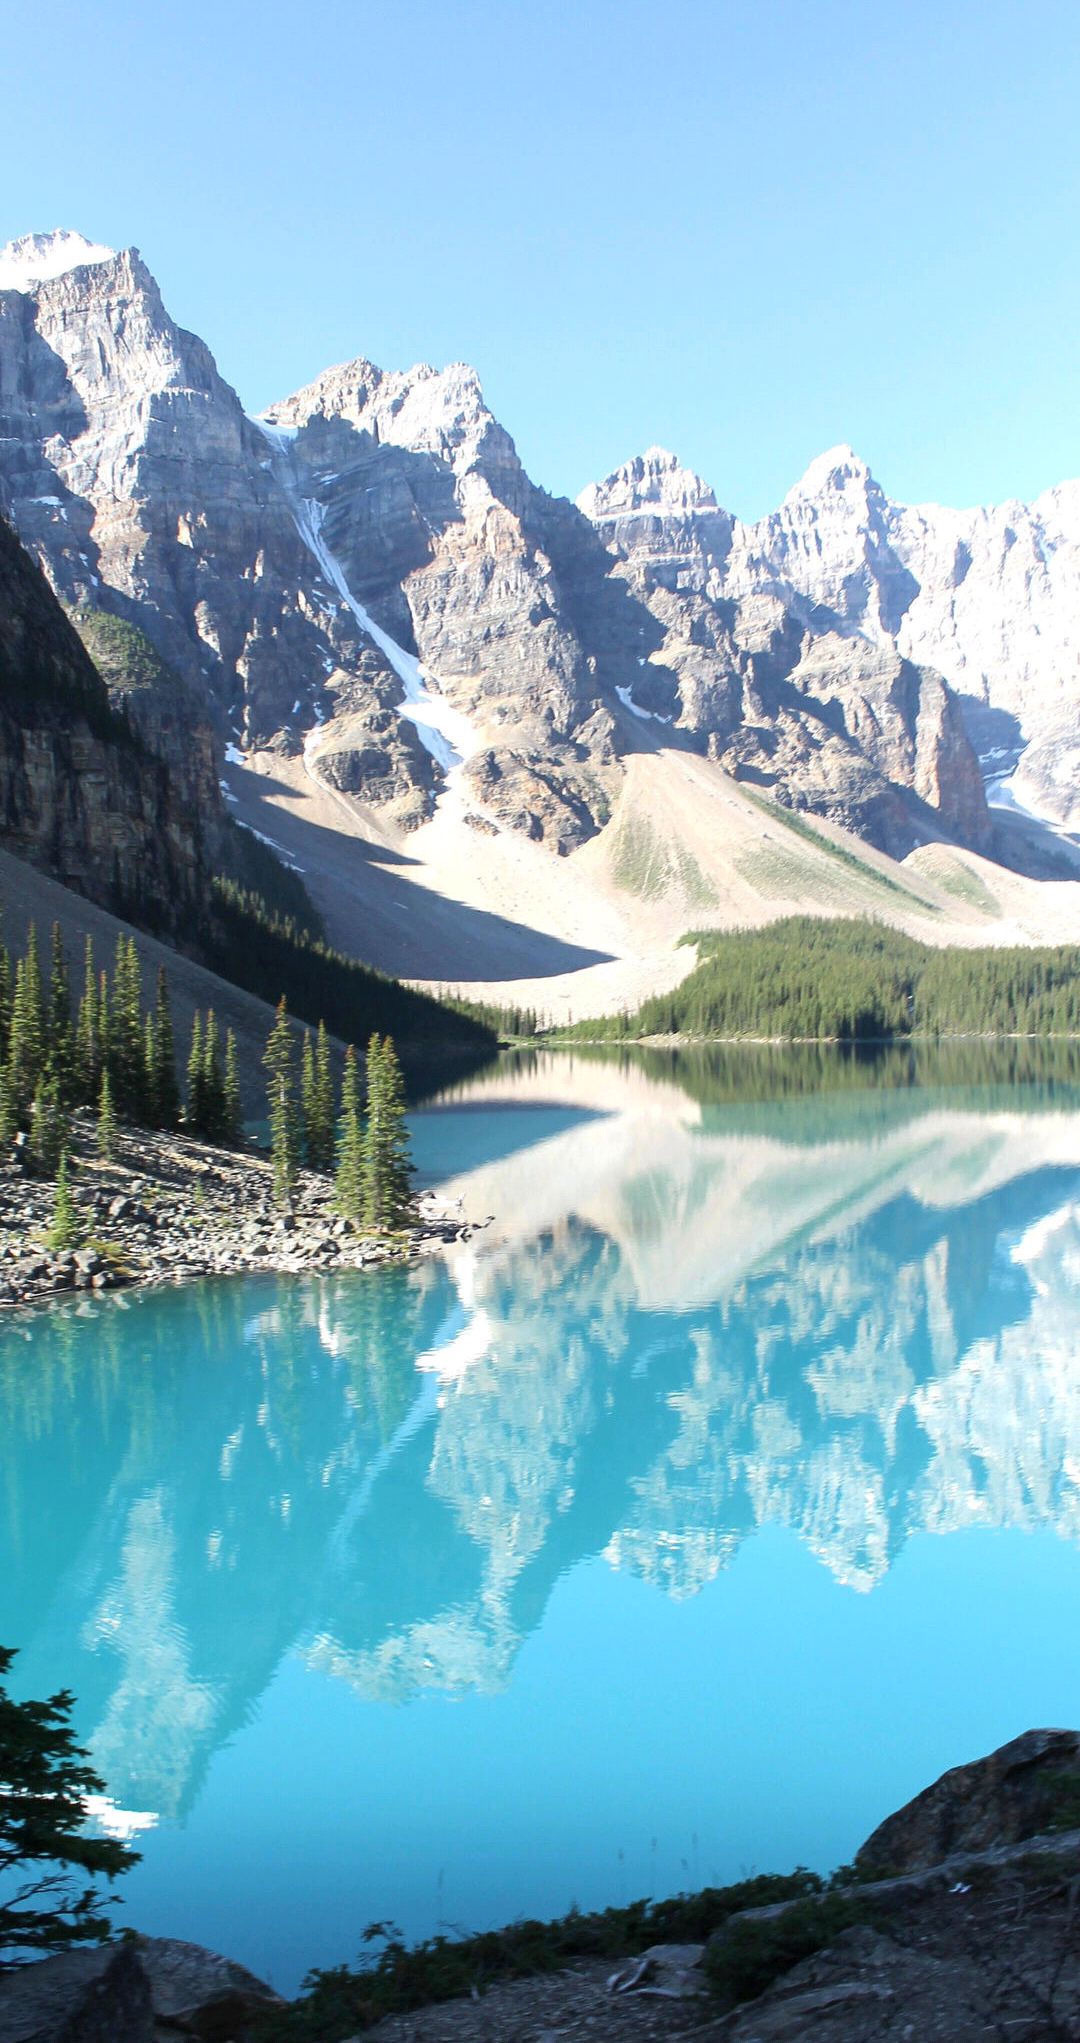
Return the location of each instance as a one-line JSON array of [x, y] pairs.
[[696, 1512]]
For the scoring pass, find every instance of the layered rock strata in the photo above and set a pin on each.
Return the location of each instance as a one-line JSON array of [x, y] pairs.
[[368, 579]]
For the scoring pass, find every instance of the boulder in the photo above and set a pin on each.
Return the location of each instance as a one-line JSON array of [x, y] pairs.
[[1030, 1785], [144, 1990]]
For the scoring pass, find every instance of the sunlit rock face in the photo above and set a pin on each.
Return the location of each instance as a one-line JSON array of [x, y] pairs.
[[989, 597], [374, 541], [853, 1319], [786, 669]]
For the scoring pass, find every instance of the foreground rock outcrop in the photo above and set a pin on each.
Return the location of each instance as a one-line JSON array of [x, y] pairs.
[[981, 1942], [144, 1990]]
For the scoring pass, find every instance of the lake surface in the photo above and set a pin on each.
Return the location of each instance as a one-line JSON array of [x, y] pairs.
[[686, 1520]]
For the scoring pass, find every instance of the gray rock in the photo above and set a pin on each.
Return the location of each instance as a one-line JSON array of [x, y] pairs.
[[562, 632], [1030, 1785]]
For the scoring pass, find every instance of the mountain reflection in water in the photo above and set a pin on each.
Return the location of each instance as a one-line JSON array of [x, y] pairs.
[[854, 1316]]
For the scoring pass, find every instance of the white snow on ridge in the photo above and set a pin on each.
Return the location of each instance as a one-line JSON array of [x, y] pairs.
[[648, 716], [37, 258], [445, 731]]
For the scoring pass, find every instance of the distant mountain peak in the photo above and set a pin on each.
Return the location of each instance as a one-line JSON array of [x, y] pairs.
[[834, 473], [654, 481], [37, 258]]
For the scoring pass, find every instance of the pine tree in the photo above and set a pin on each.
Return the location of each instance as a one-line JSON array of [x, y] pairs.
[[67, 1231], [307, 1099], [5, 1002], [49, 1901], [104, 1027], [87, 1044], [166, 1089], [320, 1127], [107, 1129], [233, 1124], [60, 1028], [194, 1113], [9, 1120], [277, 1059], [50, 1128], [386, 1144], [126, 1031], [350, 1177], [213, 1084], [149, 1087], [26, 1051]]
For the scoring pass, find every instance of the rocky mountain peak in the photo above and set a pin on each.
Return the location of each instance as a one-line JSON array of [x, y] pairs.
[[440, 412], [654, 481], [37, 258], [839, 472]]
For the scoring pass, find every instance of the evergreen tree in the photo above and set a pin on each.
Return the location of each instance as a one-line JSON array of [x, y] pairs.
[[104, 1024], [386, 1143], [213, 1083], [67, 1231], [166, 1092], [5, 1002], [307, 1098], [26, 1051], [350, 1177], [277, 1059], [59, 1025], [49, 1901], [320, 1126], [149, 1087], [107, 1128], [194, 1114], [50, 1128], [233, 1124], [87, 1040], [126, 1031], [9, 1120]]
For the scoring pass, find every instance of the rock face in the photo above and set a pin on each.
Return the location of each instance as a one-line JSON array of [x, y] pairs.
[[368, 579], [138, 1992], [80, 792], [788, 693], [1025, 1787], [989, 598]]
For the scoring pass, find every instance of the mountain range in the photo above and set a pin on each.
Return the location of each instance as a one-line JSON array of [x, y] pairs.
[[403, 653]]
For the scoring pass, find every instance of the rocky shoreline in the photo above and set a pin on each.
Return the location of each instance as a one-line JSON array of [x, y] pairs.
[[956, 1924], [166, 1210]]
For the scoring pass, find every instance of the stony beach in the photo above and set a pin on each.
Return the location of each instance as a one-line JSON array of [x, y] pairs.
[[166, 1209]]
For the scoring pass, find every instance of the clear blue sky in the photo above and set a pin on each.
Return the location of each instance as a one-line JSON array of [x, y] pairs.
[[745, 229]]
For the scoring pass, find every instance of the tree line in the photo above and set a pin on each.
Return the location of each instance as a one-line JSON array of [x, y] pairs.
[[109, 1052], [803, 978], [104, 1050]]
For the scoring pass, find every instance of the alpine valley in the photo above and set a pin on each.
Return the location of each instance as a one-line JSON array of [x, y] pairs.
[[514, 744]]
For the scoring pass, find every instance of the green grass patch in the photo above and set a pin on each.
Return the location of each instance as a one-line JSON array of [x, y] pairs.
[[966, 886], [649, 866], [868, 875]]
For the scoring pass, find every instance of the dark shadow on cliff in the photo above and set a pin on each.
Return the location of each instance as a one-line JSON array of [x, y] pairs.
[[373, 911]]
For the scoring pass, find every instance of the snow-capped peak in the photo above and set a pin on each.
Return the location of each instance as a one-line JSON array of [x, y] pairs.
[[35, 258], [833, 471]]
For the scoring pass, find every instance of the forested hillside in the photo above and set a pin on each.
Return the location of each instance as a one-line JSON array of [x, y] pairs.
[[856, 981]]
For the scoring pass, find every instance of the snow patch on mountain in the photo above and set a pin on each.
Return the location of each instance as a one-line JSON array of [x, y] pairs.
[[37, 258], [443, 730]]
